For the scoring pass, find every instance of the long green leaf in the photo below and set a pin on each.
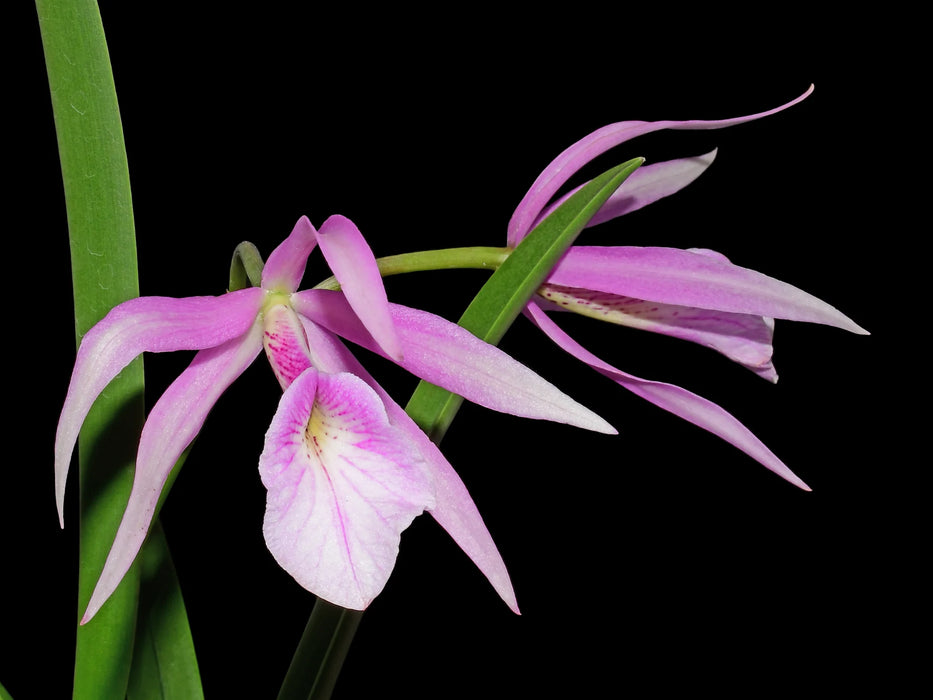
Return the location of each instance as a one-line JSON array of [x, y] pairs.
[[103, 263], [104, 273], [505, 294], [327, 636], [164, 662]]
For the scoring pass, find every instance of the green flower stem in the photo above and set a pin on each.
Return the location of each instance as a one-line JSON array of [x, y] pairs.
[[324, 646], [476, 257]]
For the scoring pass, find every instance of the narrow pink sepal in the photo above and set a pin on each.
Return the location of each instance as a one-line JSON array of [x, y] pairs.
[[563, 167], [144, 324], [173, 423], [456, 512], [286, 264], [343, 484], [454, 509], [354, 265], [646, 185], [445, 354], [697, 278], [680, 402]]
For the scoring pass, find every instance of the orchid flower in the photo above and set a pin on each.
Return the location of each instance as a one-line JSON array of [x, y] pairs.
[[345, 467], [696, 294]]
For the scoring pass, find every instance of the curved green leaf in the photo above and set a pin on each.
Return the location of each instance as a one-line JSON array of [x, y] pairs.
[[506, 292], [164, 661]]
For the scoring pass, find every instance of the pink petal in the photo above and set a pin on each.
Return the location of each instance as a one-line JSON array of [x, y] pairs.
[[700, 279], [354, 265], [454, 509], [586, 149], [680, 402], [742, 338], [172, 424], [445, 354], [343, 483], [646, 185], [286, 265], [145, 324]]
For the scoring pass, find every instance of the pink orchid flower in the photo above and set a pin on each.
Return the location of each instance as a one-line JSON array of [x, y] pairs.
[[345, 467], [696, 294]]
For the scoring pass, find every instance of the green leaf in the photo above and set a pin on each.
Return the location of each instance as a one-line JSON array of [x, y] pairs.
[[510, 287], [164, 661], [104, 273], [103, 263]]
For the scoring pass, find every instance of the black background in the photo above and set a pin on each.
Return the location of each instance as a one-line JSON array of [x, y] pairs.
[[660, 560]]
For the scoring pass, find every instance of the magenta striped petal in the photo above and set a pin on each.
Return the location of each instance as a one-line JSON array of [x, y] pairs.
[[589, 147], [354, 265], [286, 264], [701, 279], [145, 324], [445, 354], [454, 509], [674, 399], [173, 423]]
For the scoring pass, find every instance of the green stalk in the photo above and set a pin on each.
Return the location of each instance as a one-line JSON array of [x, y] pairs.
[[323, 646], [472, 258]]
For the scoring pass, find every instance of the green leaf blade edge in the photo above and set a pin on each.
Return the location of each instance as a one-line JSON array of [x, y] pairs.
[[512, 285]]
